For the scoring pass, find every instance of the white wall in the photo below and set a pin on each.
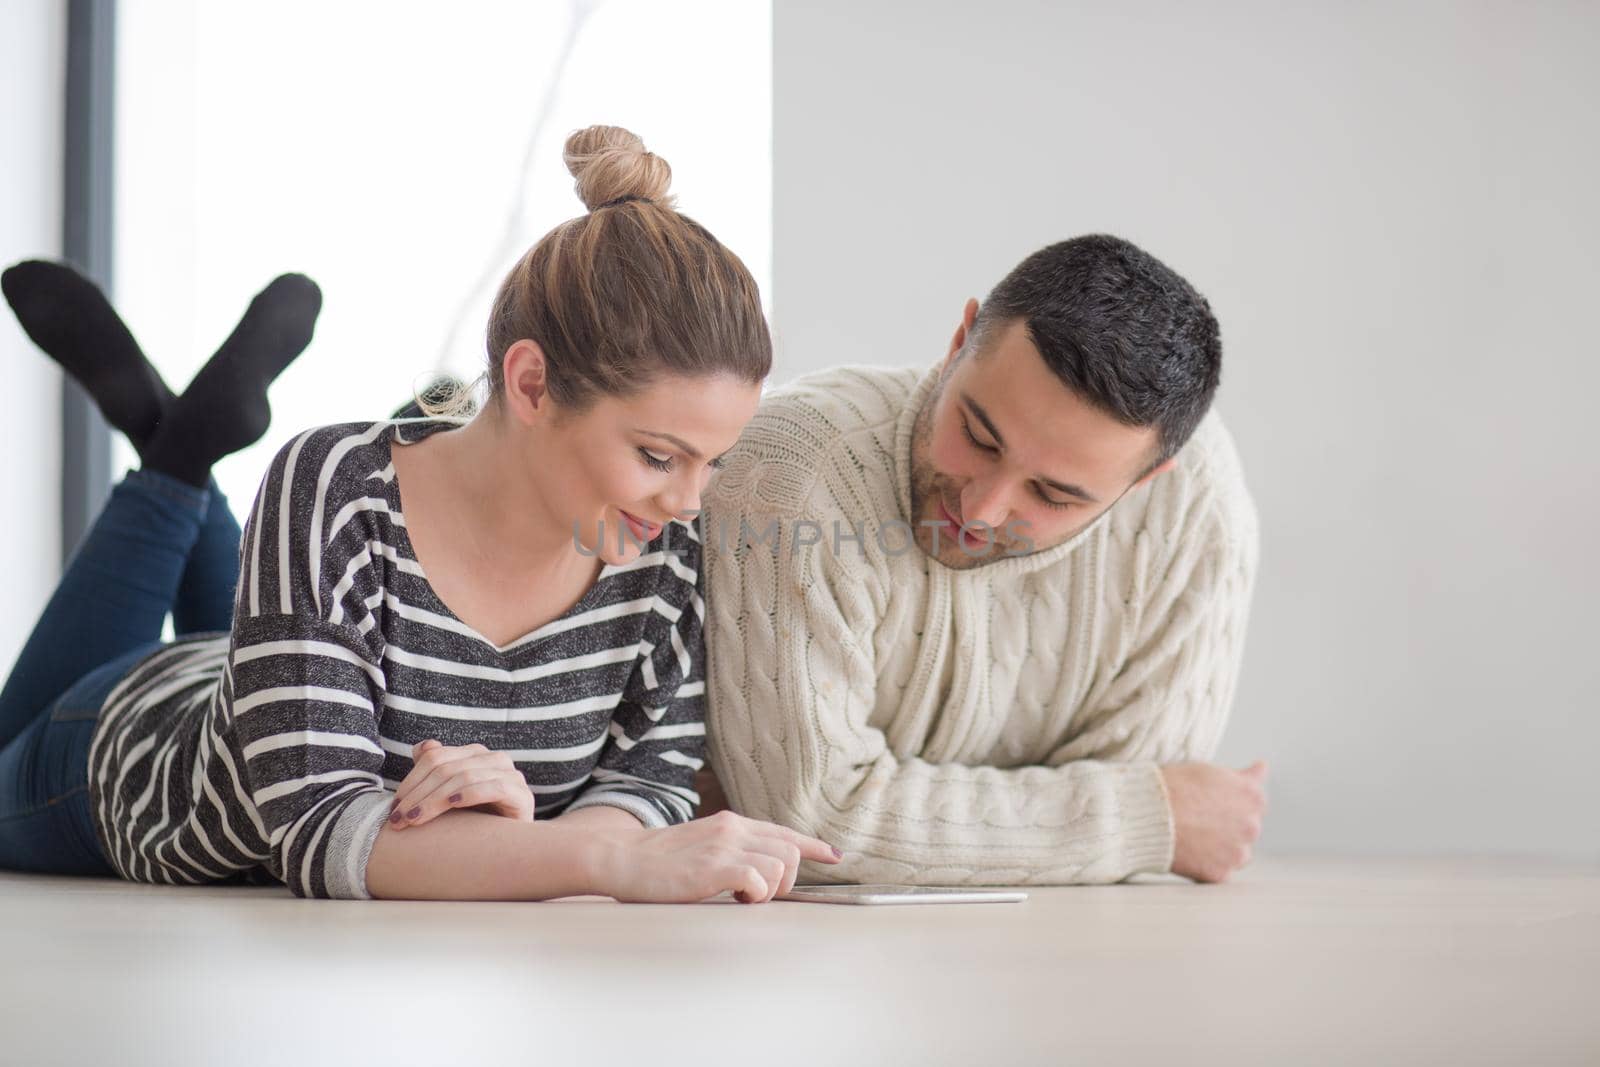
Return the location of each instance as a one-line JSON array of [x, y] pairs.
[[32, 73], [1393, 211]]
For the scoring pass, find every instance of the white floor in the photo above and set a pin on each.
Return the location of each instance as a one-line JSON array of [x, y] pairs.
[[1300, 961]]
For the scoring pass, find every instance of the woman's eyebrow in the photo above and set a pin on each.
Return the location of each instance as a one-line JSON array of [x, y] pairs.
[[678, 442]]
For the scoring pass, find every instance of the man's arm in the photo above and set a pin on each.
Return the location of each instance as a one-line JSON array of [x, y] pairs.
[[793, 688]]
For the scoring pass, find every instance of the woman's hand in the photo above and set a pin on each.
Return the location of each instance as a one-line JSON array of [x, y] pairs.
[[695, 860], [446, 777]]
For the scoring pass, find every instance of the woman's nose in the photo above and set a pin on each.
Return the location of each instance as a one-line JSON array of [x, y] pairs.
[[682, 500]]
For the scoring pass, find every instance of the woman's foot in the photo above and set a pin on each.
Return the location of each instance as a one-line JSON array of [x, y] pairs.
[[68, 317], [225, 408]]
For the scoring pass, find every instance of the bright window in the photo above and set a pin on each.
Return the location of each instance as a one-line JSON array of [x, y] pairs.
[[380, 148]]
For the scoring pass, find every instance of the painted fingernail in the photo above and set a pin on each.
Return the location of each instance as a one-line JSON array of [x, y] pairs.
[[455, 798], [836, 853], [395, 816], [414, 812]]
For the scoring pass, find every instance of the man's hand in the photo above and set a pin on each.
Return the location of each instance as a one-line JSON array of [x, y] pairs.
[[1216, 816]]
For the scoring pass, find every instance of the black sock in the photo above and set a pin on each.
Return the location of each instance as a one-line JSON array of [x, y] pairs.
[[225, 408], [68, 317]]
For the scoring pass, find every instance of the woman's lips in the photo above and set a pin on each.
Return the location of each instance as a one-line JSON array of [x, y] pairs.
[[642, 530]]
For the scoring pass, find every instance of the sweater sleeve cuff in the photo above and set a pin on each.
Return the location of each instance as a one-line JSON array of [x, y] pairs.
[[350, 841], [1147, 829], [638, 807]]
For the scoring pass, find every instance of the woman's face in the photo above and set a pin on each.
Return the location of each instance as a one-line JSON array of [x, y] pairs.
[[618, 471]]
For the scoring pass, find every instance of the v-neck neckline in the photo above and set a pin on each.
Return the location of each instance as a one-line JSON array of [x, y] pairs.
[[588, 602]]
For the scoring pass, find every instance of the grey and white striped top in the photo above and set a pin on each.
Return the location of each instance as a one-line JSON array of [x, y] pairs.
[[274, 750]]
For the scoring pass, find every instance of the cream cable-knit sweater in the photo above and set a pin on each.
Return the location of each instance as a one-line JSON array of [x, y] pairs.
[[999, 725]]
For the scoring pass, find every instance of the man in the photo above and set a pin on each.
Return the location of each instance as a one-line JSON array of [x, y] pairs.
[[983, 623]]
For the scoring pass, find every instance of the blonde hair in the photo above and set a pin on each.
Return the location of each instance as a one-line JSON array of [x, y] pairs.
[[626, 293]]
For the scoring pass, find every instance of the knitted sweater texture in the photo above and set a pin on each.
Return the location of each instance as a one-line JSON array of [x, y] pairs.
[[1000, 725]]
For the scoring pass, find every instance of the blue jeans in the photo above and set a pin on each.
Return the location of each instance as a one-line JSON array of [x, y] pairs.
[[158, 546]]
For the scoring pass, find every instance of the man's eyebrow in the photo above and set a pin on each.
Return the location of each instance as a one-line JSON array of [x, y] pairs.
[[678, 442], [1070, 490], [1060, 487], [983, 417]]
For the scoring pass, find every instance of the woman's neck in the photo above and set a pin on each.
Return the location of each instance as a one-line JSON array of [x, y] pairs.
[[484, 474]]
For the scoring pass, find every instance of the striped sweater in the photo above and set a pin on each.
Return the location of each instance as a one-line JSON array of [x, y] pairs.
[[274, 750]]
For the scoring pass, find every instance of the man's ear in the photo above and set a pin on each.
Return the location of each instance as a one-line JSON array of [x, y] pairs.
[[527, 395], [969, 315], [1160, 468]]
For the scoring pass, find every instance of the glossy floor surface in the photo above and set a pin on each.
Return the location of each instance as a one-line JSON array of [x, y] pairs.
[[1301, 960]]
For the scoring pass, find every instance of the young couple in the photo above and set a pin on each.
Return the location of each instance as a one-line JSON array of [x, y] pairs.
[[478, 659]]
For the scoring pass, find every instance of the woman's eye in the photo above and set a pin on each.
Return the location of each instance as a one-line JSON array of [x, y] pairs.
[[660, 463]]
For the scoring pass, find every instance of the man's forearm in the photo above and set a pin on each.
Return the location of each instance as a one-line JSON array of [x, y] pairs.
[[1089, 822], [471, 855]]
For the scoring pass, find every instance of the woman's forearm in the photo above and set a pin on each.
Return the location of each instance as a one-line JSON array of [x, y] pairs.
[[471, 855], [599, 817]]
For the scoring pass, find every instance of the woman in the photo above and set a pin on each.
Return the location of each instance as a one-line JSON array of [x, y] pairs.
[[433, 630]]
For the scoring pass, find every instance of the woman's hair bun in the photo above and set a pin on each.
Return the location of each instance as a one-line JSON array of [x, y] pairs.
[[610, 162]]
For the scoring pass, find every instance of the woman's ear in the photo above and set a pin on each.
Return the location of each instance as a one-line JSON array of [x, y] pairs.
[[526, 383]]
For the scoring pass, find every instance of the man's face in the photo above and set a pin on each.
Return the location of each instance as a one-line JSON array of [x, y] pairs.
[[1004, 442]]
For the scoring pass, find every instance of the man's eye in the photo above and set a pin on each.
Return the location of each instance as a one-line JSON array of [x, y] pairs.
[[966, 428], [660, 463], [1044, 499]]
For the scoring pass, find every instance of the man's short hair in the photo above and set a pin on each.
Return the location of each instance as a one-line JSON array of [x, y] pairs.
[[1120, 328]]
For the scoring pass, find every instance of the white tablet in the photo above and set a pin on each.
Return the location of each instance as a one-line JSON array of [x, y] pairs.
[[901, 894]]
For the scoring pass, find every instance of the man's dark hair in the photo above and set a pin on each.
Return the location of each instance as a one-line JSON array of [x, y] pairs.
[[1120, 328]]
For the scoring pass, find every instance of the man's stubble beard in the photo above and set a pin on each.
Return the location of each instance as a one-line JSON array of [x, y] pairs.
[[928, 486]]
